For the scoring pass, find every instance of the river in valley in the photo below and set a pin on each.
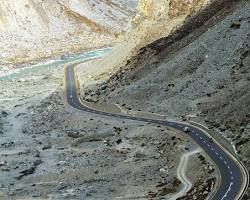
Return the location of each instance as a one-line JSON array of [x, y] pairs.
[[51, 64]]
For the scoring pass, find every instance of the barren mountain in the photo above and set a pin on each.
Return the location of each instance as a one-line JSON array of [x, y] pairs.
[[34, 29], [200, 72], [172, 60]]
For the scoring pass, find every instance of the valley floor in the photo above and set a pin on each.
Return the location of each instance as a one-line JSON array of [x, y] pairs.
[[51, 151]]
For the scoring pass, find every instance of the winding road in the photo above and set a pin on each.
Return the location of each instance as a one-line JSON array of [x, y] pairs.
[[233, 175]]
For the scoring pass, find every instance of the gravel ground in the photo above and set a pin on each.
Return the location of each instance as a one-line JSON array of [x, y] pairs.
[[203, 76], [52, 151]]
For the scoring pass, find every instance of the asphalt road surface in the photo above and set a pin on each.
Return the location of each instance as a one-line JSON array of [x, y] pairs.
[[234, 178]]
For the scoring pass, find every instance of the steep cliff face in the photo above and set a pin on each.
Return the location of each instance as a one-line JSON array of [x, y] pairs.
[[33, 29], [155, 19], [101, 15], [15, 15], [171, 8], [145, 7]]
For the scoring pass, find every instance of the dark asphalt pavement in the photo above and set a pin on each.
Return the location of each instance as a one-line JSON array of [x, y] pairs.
[[232, 180]]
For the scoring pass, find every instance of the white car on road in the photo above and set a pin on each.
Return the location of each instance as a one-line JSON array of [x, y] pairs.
[[186, 129]]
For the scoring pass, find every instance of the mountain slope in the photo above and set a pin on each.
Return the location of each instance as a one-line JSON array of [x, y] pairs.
[[33, 29], [202, 74]]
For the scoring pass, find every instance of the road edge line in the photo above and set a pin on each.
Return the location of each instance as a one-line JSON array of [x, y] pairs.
[[237, 161]]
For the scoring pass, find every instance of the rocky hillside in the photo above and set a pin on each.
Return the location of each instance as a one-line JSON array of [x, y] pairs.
[[34, 29], [182, 59], [154, 20], [201, 71]]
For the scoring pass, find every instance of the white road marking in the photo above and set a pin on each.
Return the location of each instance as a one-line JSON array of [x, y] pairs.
[[228, 190], [148, 120]]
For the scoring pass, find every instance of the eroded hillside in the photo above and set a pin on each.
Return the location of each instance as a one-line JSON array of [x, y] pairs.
[[34, 29], [201, 73], [198, 69]]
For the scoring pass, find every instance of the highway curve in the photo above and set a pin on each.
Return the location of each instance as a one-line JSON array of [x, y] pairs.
[[234, 176]]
